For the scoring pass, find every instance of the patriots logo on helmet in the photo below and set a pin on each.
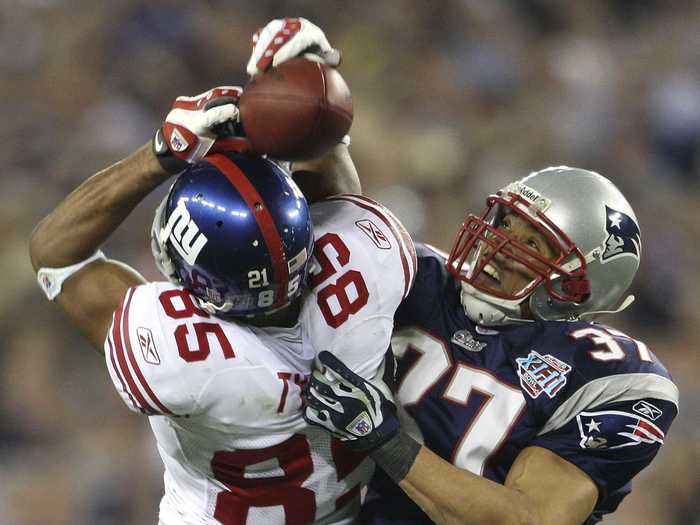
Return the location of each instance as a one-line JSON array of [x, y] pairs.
[[611, 429], [624, 237]]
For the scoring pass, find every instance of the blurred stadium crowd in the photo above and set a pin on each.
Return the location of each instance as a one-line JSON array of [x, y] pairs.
[[453, 98]]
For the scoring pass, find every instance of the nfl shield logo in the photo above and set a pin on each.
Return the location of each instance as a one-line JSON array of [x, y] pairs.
[[361, 425]]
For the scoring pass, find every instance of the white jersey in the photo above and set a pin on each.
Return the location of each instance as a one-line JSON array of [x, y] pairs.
[[224, 398]]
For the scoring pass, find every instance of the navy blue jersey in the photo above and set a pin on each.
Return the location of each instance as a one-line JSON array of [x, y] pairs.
[[478, 396]]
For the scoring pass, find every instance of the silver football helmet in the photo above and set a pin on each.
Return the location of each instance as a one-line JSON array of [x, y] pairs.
[[593, 248]]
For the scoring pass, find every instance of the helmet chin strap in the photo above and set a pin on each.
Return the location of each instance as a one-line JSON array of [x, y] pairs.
[[628, 301], [212, 308], [489, 311]]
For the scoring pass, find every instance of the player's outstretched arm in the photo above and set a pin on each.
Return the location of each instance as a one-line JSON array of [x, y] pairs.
[[332, 174], [64, 247], [541, 488], [75, 230]]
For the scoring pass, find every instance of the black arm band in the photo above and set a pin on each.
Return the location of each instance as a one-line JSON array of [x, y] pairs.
[[396, 456], [169, 162]]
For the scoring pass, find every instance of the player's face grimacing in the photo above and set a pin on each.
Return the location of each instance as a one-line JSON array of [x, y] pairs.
[[506, 254], [505, 273]]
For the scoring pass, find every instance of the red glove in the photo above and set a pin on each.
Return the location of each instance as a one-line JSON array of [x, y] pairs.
[[196, 125], [286, 38]]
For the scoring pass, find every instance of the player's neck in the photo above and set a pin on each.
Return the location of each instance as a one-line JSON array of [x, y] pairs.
[[286, 317]]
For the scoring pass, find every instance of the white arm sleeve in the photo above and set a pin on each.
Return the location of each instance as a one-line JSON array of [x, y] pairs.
[[51, 279]]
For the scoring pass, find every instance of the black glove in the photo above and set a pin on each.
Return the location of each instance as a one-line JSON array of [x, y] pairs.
[[353, 409]]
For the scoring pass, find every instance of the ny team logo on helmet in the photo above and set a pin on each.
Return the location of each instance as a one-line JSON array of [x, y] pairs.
[[236, 231], [184, 234]]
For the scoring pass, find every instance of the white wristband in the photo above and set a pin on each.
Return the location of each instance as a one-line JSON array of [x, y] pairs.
[[51, 279]]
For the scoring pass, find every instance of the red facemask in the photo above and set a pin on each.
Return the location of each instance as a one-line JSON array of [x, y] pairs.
[[482, 251]]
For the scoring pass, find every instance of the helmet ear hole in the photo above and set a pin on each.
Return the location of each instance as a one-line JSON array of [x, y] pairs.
[[577, 289]]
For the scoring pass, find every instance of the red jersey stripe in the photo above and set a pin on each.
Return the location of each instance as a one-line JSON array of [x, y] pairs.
[[121, 359], [132, 359], [262, 215], [407, 251], [119, 375]]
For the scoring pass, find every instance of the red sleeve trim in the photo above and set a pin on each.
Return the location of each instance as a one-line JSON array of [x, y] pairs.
[[134, 363], [118, 373], [130, 386]]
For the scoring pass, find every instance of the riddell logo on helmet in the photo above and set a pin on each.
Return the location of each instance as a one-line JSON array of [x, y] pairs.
[[527, 193], [184, 234]]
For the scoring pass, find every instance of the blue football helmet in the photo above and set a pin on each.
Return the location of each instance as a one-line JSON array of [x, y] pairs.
[[235, 231]]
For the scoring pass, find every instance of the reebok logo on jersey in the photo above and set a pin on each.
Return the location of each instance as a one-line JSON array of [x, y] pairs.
[[374, 233], [148, 346], [542, 373], [647, 410]]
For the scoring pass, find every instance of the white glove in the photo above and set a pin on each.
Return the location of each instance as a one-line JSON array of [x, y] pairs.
[[286, 38], [188, 130]]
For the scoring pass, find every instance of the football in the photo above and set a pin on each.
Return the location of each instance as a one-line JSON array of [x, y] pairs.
[[297, 110]]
